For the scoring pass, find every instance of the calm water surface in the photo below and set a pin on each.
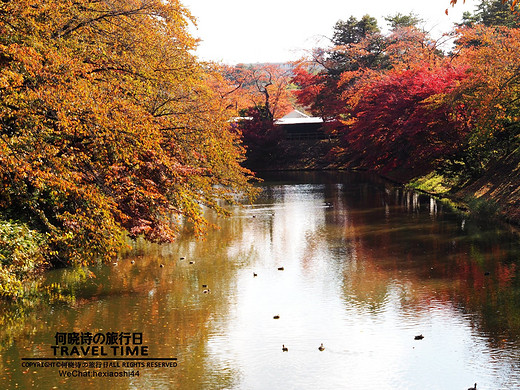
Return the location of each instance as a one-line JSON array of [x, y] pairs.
[[366, 268]]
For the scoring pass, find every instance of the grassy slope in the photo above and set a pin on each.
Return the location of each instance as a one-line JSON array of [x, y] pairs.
[[501, 183]]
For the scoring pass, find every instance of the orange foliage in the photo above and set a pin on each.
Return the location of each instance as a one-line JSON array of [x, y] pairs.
[[490, 96], [258, 86], [109, 124]]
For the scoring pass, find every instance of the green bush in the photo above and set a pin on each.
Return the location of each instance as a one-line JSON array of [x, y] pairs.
[[22, 254], [482, 208]]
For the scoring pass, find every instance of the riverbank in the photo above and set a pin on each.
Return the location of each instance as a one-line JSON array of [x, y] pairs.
[[496, 193], [500, 184], [24, 252]]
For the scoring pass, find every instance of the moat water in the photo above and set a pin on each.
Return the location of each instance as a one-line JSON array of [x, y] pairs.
[[367, 267]]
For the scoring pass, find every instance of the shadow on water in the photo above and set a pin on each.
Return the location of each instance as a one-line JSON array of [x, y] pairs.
[[366, 267]]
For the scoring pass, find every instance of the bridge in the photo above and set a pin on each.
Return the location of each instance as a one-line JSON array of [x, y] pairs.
[[296, 126]]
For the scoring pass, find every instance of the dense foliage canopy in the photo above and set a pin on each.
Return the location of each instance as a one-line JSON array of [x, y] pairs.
[[109, 124]]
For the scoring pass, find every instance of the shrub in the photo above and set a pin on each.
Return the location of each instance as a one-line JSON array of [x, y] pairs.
[[22, 253], [482, 208]]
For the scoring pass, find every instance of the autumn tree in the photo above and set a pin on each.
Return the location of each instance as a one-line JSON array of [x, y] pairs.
[[109, 124], [260, 94], [329, 81], [399, 124], [264, 87], [490, 97], [318, 92], [262, 138], [357, 44]]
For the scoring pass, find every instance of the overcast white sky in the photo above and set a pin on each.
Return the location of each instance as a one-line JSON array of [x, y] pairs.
[[244, 31]]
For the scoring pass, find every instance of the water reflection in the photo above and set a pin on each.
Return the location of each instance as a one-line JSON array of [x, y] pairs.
[[366, 267]]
